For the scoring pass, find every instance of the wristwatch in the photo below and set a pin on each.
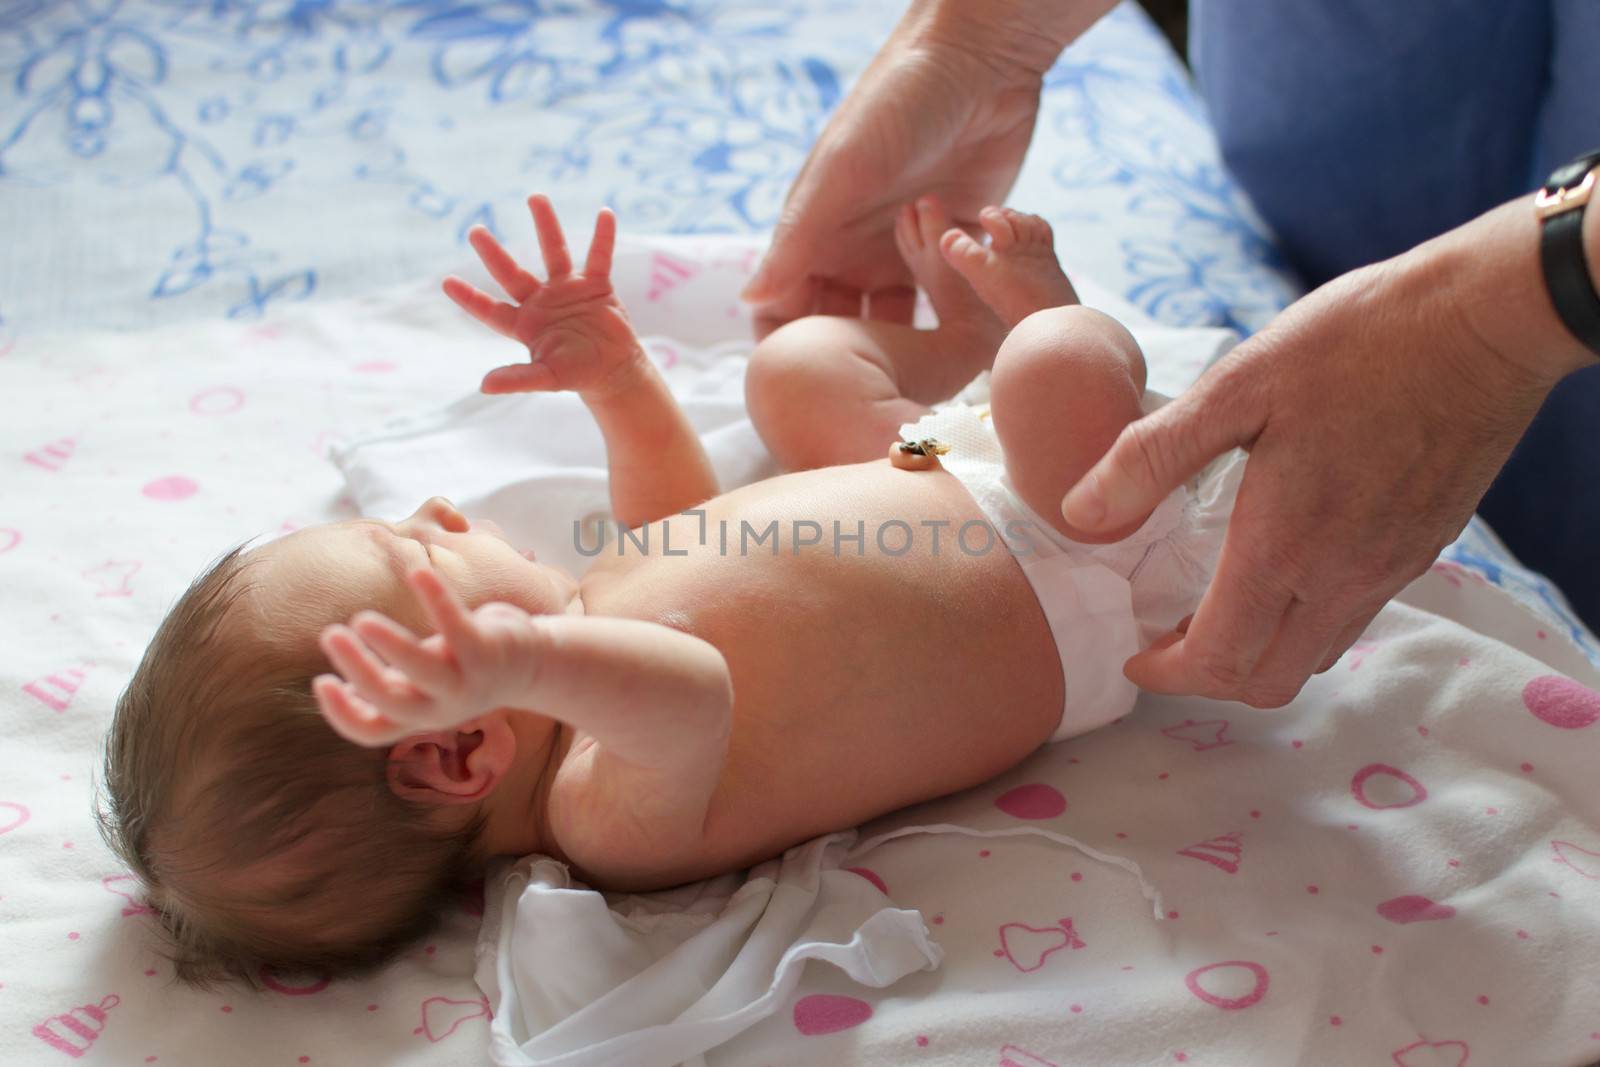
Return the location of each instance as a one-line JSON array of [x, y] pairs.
[[1559, 207]]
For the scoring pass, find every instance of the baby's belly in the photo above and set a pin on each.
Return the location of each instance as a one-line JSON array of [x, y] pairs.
[[868, 673]]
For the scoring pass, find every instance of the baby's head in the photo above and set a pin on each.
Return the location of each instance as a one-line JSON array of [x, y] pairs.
[[265, 839]]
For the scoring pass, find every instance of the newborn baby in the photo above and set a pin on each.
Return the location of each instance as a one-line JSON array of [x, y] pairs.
[[783, 660]]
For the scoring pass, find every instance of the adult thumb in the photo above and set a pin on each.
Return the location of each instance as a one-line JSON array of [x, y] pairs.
[[1154, 455], [786, 264]]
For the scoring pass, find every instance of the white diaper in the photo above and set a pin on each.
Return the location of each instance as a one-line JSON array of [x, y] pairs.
[[1103, 602]]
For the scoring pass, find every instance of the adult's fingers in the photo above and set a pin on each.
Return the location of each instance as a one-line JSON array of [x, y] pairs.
[[1240, 614], [518, 284], [897, 303], [796, 303], [835, 298], [1154, 455], [787, 262], [1301, 644], [552, 242], [1349, 636]]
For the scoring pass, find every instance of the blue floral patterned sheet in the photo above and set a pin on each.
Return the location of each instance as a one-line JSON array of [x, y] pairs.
[[168, 159]]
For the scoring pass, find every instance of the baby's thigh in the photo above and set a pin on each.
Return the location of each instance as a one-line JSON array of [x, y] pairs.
[[826, 390], [1065, 383]]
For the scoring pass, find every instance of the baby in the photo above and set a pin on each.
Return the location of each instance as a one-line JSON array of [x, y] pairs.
[[792, 657]]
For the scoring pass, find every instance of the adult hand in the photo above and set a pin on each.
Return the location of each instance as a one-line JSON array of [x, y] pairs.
[[1376, 410], [947, 107]]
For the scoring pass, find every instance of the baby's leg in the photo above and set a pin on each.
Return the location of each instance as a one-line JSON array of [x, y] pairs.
[[1066, 380], [826, 390]]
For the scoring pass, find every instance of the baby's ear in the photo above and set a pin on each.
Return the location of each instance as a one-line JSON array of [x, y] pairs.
[[459, 766]]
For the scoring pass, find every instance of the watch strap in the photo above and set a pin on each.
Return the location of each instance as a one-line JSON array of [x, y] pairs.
[[1561, 205]]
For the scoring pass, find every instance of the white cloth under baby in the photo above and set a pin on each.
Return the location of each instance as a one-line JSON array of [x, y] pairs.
[[1103, 602], [535, 463], [574, 978]]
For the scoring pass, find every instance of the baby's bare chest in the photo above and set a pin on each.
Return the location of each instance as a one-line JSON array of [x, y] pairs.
[[870, 631], [819, 560]]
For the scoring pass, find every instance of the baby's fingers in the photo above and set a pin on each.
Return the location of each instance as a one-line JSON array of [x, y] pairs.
[[375, 682], [445, 610], [598, 264], [552, 242], [518, 283], [495, 314], [352, 718], [427, 669], [520, 378]]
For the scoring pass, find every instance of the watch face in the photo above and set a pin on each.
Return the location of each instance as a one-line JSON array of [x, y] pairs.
[[1573, 172]]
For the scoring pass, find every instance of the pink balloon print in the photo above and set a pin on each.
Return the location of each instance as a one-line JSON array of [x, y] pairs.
[[113, 577], [436, 1011], [270, 979], [18, 816], [828, 1013], [175, 487], [871, 876], [1358, 787], [1433, 1054], [375, 366], [9, 539], [1247, 999], [1203, 735], [1027, 947], [1561, 702], [1036, 801], [221, 400], [134, 906], [1414, 909], [1578, 858]]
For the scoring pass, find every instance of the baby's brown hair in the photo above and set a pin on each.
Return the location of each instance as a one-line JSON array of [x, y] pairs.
[[264, 839]]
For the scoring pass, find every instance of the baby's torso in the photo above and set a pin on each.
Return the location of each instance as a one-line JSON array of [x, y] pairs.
[[880, 654]]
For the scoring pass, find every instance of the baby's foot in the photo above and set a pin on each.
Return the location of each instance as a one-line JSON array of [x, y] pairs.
[[1017, 273], [968, 330]]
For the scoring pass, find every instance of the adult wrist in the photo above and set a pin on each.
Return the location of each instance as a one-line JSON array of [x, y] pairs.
[[1015, 37], [1490, 273]]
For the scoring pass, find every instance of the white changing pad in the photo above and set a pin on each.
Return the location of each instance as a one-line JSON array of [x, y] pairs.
[[1399, 867]]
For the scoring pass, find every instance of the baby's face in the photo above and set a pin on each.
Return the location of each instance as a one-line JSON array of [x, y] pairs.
[[325, 574]]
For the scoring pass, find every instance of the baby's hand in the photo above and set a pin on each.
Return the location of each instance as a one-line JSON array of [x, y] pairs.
[[477, 661], [577, 333]]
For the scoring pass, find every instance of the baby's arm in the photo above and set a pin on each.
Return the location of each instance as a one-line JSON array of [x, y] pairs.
[[579, 339], [651, 706]]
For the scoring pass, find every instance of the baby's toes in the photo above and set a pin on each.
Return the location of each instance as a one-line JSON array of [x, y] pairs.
[[966, 255], [932, 219], [999, 225], [1031, 229], [907, 234]]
